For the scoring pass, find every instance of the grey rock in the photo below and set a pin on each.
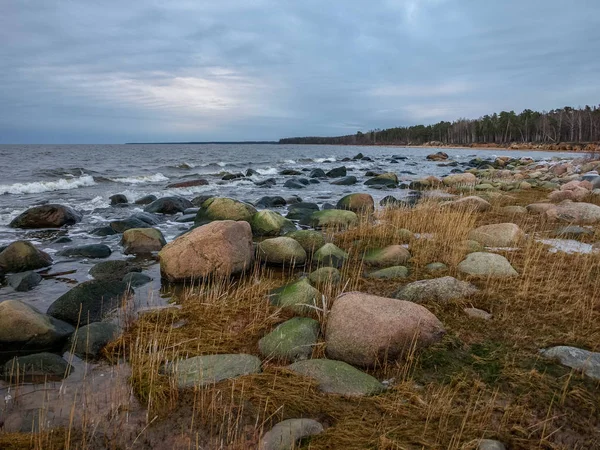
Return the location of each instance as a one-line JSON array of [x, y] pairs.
[[286, 434], [484, 264], [135, 279], [88, 341], [438, 289], [24, 281], [576, 358], [36, 368], [292, 340], [113, 270], [87, 251]]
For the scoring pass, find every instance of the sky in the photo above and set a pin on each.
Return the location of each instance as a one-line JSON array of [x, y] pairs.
[[114, 71]]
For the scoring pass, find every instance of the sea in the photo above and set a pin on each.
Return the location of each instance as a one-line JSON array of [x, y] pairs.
[[85, 176]]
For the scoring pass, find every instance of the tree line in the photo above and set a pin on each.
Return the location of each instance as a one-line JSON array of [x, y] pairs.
[[563, 125]]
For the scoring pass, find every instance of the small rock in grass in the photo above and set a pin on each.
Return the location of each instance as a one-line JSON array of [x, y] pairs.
[[576, 358], [292, 340], [476, 313], [286, 434]]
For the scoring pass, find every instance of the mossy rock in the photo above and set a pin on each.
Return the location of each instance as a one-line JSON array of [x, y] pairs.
[[310, 240], [292, 340], [224, 208], [404, 236], [337, 377], [88, 341], [325, 275], [21, 256], [36, 368], [330, 256], [390, 273], [299, 297], [333, 218], [357, 203], [392, 255], [281, 251], [270, 223]]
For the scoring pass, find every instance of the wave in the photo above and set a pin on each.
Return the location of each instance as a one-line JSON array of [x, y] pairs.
[[156, 178], [47, 186], [322, 160], [269, 171]]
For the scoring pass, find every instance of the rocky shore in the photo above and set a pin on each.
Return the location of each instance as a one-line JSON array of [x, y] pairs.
[[360, 292]]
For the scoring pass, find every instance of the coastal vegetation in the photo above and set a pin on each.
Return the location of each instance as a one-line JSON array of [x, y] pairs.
[[565, 128]]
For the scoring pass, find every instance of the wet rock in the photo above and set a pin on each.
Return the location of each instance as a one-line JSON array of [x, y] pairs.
[[345, 181], [61, 240], [89, 302], [439, 156], [310, 240], [286, 434], [281, 251], [168, 205], [141, 241], [271, 202], [337, 172], [135, 279], [269, 182], [301, 211], [442, 290], [357, 203], [89, 340], [497, 235], [575, 358], [186, 218], [292, 340], [299, 297], [251, 172], [367, 330], [187, 184], [484, 264], [200, 199], [293, 184], [290, 172], [389, 273], [120, 226], [337, 377], [223, 208], [389, 180], [389, 200], [113, 270], [392, 255], [148, 218], [23, 329], [333, 218], [146, 200], [103, 231], [330, 255], [210, 369], [324, 276], [46, 216], [87, 251], [232, 176], [118, 199], [317, 173], [36, 368], [22, 256], [270, 223], [24, 281], [220, 248]]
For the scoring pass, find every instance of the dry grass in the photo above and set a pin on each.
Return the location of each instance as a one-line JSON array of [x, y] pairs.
[[484, 379]]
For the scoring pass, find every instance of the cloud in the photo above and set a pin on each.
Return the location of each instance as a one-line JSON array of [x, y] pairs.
[[112, 71]]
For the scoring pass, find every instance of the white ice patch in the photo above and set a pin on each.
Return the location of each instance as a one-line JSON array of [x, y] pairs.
[[567, 245], [156, 178], [47, 186]]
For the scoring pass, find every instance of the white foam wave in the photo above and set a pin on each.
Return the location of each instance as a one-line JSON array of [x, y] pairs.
[[322, 160], [269, 171], [156, 178], [47, 186], [289, 161]]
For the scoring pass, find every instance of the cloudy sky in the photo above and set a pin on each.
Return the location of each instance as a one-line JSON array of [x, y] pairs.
[[112, 71]]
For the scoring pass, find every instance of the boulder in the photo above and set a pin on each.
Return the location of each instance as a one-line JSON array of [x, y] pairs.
[[187, 184], [46, 216], [281, 251], [539, 208], [285, 435], [575, 358], [290, 172], [146, 199], [135, 279], [317, 173], [103, 231], [392, 255], [337, 172], [470, 246], [90, 301], [23, 329], [443, 290], [269, 182], [299, 297], [120, 226], [439, 156], [210, 369], [139, 241], [367, 330], [497, 235], [513, 210], [301, 211], [436, 267], [389, 273], [87, 251], [220, 248], [292, 340], [345, 181], [460, 179], [24, 281], [357, 203], [21, 256], [113, 270], [168, 205], [88, 341], [150, 219], [310, 240], [294, 183], [37, 368], [470, 203], [325, 276], [337, 377], [270, 223], [223, 208], [388, 179], [199, 200], [484, 264], [575, 213], [330, 255], [333, 218], [271, 202], [118, 199]]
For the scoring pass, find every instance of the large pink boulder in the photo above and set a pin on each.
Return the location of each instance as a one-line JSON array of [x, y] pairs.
[[367, 330], [220, 248]]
